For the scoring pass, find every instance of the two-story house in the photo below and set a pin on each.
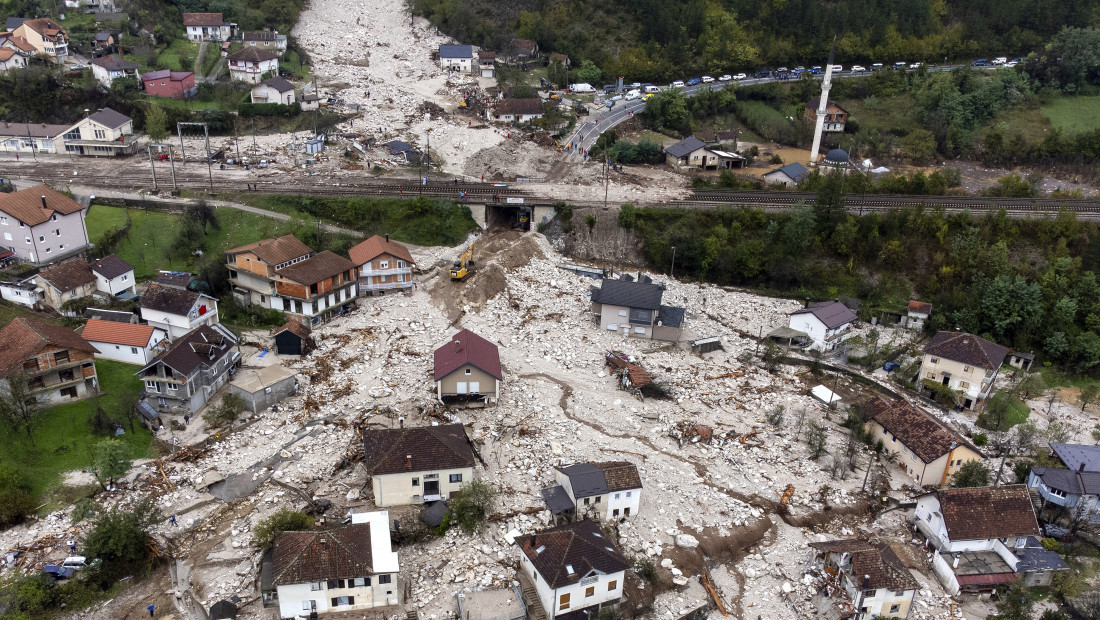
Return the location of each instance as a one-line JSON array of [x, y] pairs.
[[177, 311], [47, 37], [574, 568], [383, 265], [870, 575], [253, 65], [124, 342], [107, 69], [927, 450], [104, 133], [1075, 485], [634, 309], [600, 490], [166, 83], [456, 58], [186, 375], [467, 369], [252, 267], [835, 116], [64, 282], [42, 226], [417, 464], [268, 40], [58, 363], [827, 324], [979, 535], [346, 569], [315, 289], [114, 276], [963, 362], [273, 90], [208, 27], [515, 110]]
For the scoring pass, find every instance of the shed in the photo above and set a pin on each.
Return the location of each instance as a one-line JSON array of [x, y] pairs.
[[262, 388], [316, 145], [147, 413], [223, 610], [825, 395], [293, 338]]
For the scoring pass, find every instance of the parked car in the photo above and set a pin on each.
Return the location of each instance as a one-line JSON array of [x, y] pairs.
[[1014, 62], [651, 89], [740, 76], [58, 572], [694, 81], [858, 69], [815, 69], [610, 88], [634, 94], [800, 68], [782, 69], [677, 84], [725, 78], [647, 96], [900, 66], [876, 66], [582, 87], [1000, 60], [707, 79], [891, 366], [636, 85], [916, 65], [838, 68], [981, 62], [762, 74], [75, 562]]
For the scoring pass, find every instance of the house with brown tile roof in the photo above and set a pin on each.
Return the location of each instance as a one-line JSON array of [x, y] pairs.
[[316, 289], [11, 59], [608, 490], [515, 110], [964, 362], [47, 37], [177, 311], [188, 374], [64, 282], [417, 464], [59, 364], [345, 569], [383, 265], [916, 314], [208, 27], [124, 342], [253, 65], [252, 268], [869, 575], [467, 370], [928, 450], [574, 569], [41, 225]]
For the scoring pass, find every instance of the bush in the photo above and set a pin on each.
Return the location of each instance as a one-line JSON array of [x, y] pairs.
[[471, 506], [564, 212], [248, 110], [627, 215], [16, 501], [646, 571], [971, 474], [590, 220], [776, 160], [815, 439], [226, 412], [981, 439], [120, 541], [285, 520]]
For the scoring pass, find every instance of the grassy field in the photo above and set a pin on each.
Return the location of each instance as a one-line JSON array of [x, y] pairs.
[[882, 113], [152, 234], [62, 438], [1074, 115], [192, 104]]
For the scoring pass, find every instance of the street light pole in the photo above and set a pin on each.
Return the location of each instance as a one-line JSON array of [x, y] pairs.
[[672, 271]]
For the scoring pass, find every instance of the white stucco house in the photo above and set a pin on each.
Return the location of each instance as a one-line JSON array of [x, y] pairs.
[[964, 362], [124, 342], [346, 569], [107, 69], [573, 567], [417, 464], [456, 58], [177, 311], [826, 323], [870, 575], [609, 490], [113, 276], [273, 90]]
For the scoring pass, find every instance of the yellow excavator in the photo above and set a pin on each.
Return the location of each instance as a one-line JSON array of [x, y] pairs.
[[464, 266]]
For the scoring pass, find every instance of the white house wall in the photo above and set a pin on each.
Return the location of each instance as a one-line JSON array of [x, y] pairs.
[[398, 490], [19, 295], [126, 353], [114, 286], [577, 600], [292, 596]]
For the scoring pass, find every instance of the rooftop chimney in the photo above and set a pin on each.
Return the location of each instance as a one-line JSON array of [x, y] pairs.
[[1081, 467], [807, 304], [458, 346], [408, 461], [955, 564], [44, 202], [387, 237]]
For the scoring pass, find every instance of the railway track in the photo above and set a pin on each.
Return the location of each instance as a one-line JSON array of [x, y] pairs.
[[884, 202]]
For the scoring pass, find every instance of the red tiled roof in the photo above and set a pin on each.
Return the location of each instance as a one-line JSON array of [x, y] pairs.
[[27, 205], [620, 475], [985, 579], [875, 561], [920, 307], [316, 268], [518, 106], [297, 328], [376, 246], [303, 557], [24, 338], [980, 513], [275, 251], [114, 332], [203, 19], [466, 347], [967, 349], [413, 449], [68, 275]]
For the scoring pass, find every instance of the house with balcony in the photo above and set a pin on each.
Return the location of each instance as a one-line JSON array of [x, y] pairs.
[[47, 37], [177, 311], [467, 370], [58, 363], [610, 490], [414, 465], [65, 282], [107, 69], [383, 266], [827, 324], [456, 58], [41, 226], [268, 40], [208, 27], [575, 569], [252, 268], [253, 65], [114, 276], [634, 309], [865, 580], [187, 375], [315, 289], [104, 133], [124, 342], [963, 362], [1074, 486], [927, 449]]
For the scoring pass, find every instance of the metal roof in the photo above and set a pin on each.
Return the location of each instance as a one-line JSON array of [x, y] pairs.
[[685, 146], [1074, 455], [642, 295], [832, 314], [557, 500], [456, 51], [794, 171], [586, 479]]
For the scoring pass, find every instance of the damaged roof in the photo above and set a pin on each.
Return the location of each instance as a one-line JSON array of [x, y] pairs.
[[927, 437], [875, 562], [304, 557], [24, 338], [68, 275], [980, 513], [202, 346], [832, 314], [420, 448], [589, 479]]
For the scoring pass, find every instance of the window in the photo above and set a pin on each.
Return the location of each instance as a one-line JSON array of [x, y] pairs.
[[590, 591], [100, 134], [383, 264], [61, 357], [615, 512], [563, 602], [29, 240], [622, 313], [127, 277], [884, 431], [358, 582], [456, 478], [384, 579], [416, 482], [628, 493], [639, 330], [343, 600], [41, 237], [468, 371], [587, 500], [21, 224], [307, 605], [151, 386], [964, 384], [316, 585], [967, 369], [133, 350], [611, 585], [935, 360], [598, 498], [61, 247], [3, 220], [49, 250], [335, 584], [894, 608], [899, 593], [57, 232], [617, 495]]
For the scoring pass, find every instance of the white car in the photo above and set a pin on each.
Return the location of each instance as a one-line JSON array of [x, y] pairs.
[[838, 68], [725, 78], [707, 79], [740, 76], [916, 65], [858, 68], [1012, 63], [782, 69], [1000, 60], [636, 85], [634, 94], [677, 84]]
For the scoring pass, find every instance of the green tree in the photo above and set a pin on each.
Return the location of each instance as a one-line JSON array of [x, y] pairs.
[[120, 541], [557, 74], [156, 123], [588, 73], [668, 111], [226, 412], [1088, 394], [1016, 603], [1031, 386], [471, 505], [285, 520], [815, 439], [919, 146], [1003, 411], [971, 474], [16, 501], [799, 229], [18, 405], [627, 216], [110, 461]]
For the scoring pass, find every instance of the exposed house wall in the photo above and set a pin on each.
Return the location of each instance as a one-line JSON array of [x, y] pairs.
[[930, 474], [127, 353], [974, 381], [292, 597], [605, 589], [449, 385], [399, 490]]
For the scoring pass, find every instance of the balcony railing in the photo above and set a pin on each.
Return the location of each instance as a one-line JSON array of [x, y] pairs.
[[385, 272], [383, 285]]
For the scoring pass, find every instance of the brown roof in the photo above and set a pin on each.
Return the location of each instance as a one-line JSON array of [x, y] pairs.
[[926, 436], [297, 328], [275, 251], [115, 332], [376, 246], [6, 53], [23, 338], [580, 547], [34, 130], [44, 26], [202, 346], [342, 553], [68, 275], [920, 307], [979, 513], [169, 299], [620, 475], [421, 448], [20, 42], [27, 205], [252, 54], [556, 56], [316, 268], [816, 101], [203, 19], [466, 347], [967, 349], [518, 106], [111, 266], [877, 561], [115, 63]]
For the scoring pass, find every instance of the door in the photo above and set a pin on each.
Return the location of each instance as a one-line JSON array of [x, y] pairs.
[[461, 389], [475, 387], [431, 487]]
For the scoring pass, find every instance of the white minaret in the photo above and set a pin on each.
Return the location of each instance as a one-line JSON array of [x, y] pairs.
[[822, 106]]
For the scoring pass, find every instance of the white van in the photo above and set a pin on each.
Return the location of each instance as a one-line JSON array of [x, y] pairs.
[[582, 87], [838, 68], [634, 94], [651, 89], [1000, 60], [677, 84]]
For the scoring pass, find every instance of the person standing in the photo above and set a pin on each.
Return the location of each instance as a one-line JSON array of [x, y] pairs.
[[150, 609]]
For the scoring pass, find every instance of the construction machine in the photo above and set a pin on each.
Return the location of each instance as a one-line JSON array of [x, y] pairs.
[[464, 266]]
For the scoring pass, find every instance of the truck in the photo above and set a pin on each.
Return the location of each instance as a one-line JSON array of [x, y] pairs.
[[582, 87]]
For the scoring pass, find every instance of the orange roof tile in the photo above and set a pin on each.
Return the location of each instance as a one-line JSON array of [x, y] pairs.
[[117, 333], [375, 246]]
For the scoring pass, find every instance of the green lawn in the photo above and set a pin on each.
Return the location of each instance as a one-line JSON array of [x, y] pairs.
[[882, 113], [152, 233], [62, 438], [10, 311], [1030, 123], [1074, 115], [180, 104]]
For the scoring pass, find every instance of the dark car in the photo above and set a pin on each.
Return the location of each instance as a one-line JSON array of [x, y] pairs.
[[762, 74], [694, 81], [610, 88], [891, 366], [58, 572], [981, 62]]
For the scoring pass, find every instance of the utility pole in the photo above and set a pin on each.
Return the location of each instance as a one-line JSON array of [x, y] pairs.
[[672, 271], [152, 167], [253, 131], [606, 180], [172, 163], [867, 476], [30, 141]]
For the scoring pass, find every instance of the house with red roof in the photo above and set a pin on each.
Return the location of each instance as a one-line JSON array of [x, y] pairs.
[[58, 363], [208, 27], [467, 370], [124, 342], [966, 363], [384, 265]]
